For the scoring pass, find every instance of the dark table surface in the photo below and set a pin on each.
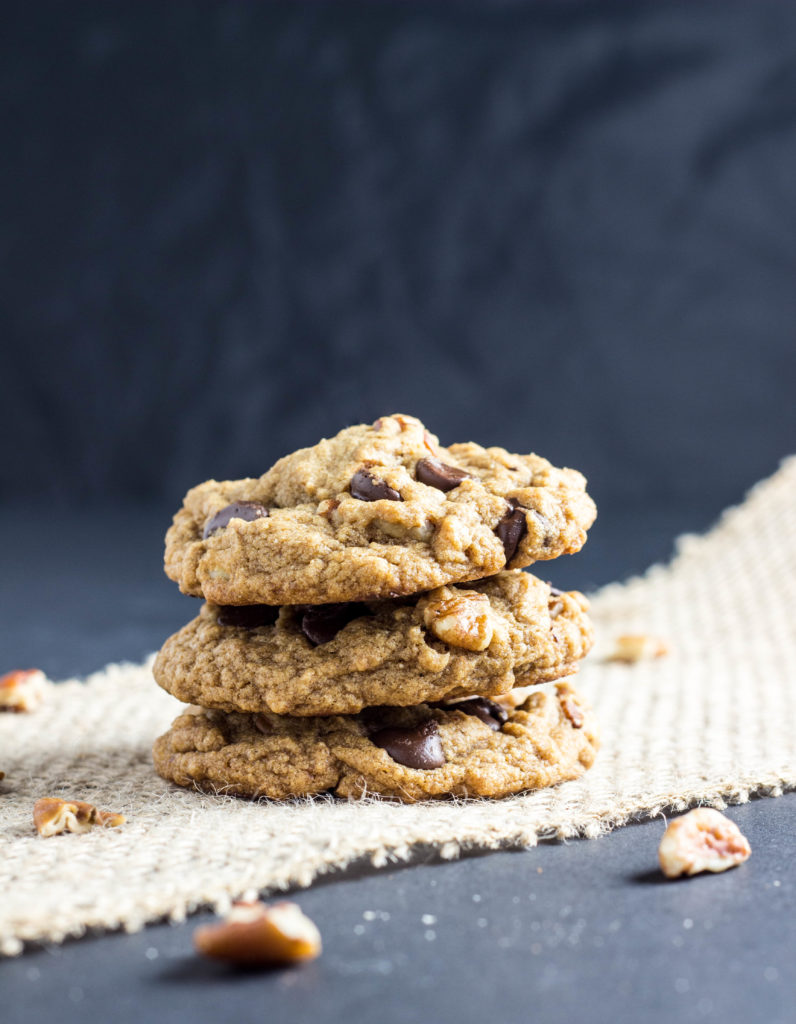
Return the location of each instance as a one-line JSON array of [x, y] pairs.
[[567, 931]]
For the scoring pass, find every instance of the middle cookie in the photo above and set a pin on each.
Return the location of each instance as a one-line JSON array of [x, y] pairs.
[[469, 639]]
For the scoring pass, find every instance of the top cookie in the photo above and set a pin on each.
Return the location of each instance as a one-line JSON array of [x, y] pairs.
[[378, 511]]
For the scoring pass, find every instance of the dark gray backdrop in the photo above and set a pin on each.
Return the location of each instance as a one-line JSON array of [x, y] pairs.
[[230, 229]]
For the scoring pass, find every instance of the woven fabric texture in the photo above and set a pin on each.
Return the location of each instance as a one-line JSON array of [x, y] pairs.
[[711, 722]]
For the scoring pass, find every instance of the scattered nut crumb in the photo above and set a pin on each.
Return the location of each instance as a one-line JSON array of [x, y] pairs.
[[52, 815], [632, 647], [702, 840], [22, 690], [261, 934]]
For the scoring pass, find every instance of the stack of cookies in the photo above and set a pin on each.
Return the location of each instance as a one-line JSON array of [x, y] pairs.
[[368, 628]]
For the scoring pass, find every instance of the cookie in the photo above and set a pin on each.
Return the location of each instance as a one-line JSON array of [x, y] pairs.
[[378, 511], [471, 749], [336, 659]]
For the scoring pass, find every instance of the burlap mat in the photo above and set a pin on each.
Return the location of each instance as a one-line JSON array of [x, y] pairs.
[[711, 722]]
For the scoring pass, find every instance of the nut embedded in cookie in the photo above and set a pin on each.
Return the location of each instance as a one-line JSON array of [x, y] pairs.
[[476, 639], [464, 620]]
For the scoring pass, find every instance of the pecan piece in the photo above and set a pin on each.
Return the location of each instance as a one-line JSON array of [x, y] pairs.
[[52, 815], [632, 647], [22, 690], [464, 620], [573, 711], [702, 840], [256, 934]]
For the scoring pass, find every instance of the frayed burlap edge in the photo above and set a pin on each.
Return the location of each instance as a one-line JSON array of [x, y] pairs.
[[711, 723]]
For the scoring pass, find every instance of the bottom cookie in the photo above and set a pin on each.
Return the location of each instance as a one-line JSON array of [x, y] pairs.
[[472, 748]]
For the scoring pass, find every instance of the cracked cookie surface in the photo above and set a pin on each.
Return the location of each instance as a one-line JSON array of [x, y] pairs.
[[481, 638], [377, 511], [410, 754]]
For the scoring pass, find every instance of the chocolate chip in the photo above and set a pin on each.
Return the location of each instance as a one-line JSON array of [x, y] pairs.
[[488, 711], [512, 528], [436, 474], [247, 616], [320, 623], [418, 747], [246, 510], [261, 724], [367, 487]]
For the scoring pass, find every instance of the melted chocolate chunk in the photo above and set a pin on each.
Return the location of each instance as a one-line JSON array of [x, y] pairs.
[[320, 623], [419, 747], [488, 711], [512, 528], [367, 487], [246, 510], [437, 474], [247, 616]]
